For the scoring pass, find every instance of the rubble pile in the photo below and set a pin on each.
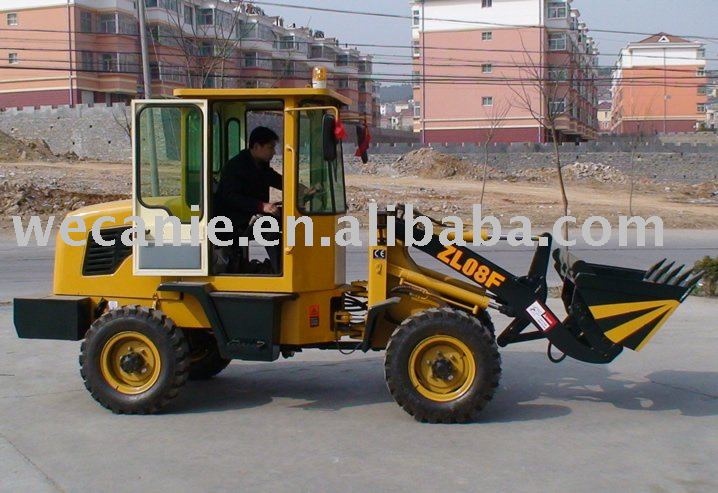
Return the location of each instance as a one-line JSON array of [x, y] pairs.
[[14, 150], [428, 163], [26, 199]]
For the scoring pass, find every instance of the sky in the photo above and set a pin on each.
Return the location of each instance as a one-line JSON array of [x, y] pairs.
[[680, 17]]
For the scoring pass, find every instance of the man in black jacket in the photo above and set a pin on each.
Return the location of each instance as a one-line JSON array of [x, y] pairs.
[[246, 179], [243, 190]]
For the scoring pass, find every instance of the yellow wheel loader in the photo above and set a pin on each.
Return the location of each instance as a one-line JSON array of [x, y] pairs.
[[153, 314]]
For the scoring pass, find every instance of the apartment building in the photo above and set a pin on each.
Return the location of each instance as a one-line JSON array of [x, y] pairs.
[[59, 52], [475, 61], [660, 86]]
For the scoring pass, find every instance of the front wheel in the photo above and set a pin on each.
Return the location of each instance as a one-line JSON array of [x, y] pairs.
[[134, 360], [442, 366]]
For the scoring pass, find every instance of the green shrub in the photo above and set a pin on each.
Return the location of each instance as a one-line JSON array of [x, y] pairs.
[[709, 266]]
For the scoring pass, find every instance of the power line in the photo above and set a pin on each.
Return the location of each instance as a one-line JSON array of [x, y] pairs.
[[462, 64], [367, 45], [237, 73], [461, 21]]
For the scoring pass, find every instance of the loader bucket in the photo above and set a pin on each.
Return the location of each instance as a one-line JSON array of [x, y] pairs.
[[625, 306]]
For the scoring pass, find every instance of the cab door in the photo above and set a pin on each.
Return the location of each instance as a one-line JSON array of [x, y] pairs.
[[170, 192]]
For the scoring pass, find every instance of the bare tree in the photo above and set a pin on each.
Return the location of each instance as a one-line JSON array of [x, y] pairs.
[[496, 121], [122, 120], [541, 95], [205, 45]]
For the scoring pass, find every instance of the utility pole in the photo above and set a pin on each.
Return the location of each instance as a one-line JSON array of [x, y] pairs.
[[665, 93], [423, 107], [154, 170], [145, 50], [69, 51]]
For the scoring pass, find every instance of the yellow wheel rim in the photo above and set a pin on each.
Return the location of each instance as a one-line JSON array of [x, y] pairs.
[[130, 363], [442, 368]]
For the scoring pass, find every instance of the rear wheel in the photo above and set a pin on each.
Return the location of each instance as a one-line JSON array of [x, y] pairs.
[[205, 359], [134, 360], [442, 366]]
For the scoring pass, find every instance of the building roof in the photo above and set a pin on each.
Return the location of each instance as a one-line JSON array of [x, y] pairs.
[[261, 94], [664, 38]]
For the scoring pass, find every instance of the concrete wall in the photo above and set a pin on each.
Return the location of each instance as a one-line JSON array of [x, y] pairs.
[[100, 133], [97, 133]]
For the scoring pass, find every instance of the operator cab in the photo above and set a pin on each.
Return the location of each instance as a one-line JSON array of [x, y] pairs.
[[181, 147]]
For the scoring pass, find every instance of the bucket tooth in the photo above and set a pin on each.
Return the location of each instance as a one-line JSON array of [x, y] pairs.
[[653, 269], [660, 273], [682, 278], [690, 283], [671, 275]]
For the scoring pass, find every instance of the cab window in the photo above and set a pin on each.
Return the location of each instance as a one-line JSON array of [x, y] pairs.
[[324, 179], [169, 149]]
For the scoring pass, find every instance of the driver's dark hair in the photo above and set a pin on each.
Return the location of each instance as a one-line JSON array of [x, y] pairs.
[[262, 136]]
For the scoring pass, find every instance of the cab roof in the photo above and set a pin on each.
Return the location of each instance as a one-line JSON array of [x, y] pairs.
[[261, 94]]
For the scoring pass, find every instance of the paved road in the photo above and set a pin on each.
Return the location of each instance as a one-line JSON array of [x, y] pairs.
[[28, 271], [324, 422]]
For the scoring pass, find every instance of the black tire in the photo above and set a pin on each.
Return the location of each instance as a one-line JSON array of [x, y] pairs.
[[205, 360], [166, 344], [440, 325]]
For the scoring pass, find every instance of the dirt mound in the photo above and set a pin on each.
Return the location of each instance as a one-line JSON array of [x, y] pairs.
[[27, 199], [428, 163], [14, 150]]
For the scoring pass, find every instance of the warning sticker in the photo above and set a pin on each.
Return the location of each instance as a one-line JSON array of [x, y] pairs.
[[314, 316], [541, 316]]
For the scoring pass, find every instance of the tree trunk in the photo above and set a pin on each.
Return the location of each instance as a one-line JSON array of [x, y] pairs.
[[559, 170], [486, 172]]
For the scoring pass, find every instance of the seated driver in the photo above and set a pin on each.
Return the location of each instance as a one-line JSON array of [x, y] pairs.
[[243, 189], [244, 184]]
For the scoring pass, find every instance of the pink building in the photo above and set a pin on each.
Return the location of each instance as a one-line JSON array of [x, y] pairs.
[[476, 60], [660, 85], [59, 52]]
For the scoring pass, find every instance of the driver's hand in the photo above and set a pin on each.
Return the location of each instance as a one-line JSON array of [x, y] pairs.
[[268, 208]]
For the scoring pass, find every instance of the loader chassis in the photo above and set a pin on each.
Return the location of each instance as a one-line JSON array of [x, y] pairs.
[[149, 322]]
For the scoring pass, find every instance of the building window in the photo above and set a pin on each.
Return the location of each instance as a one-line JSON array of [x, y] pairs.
[[417, 109], [205, 17], [86, 22], [701, 72], [701, 53], [12, 19], [109, 62], [487, 68], [172, 5], [487, 101], [108, 23], [557, 10], [557, 74], [416, 18], [188, 14], [557, 41], [557, 106], [87, 61], [701, 108], [250, 59], [417, 49], [150, 3], [486, 3], [487, 36], [343, 83], [12, 58], [702, 90]]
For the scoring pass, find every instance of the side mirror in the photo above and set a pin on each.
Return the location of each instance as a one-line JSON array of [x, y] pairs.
[[329, 143]]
